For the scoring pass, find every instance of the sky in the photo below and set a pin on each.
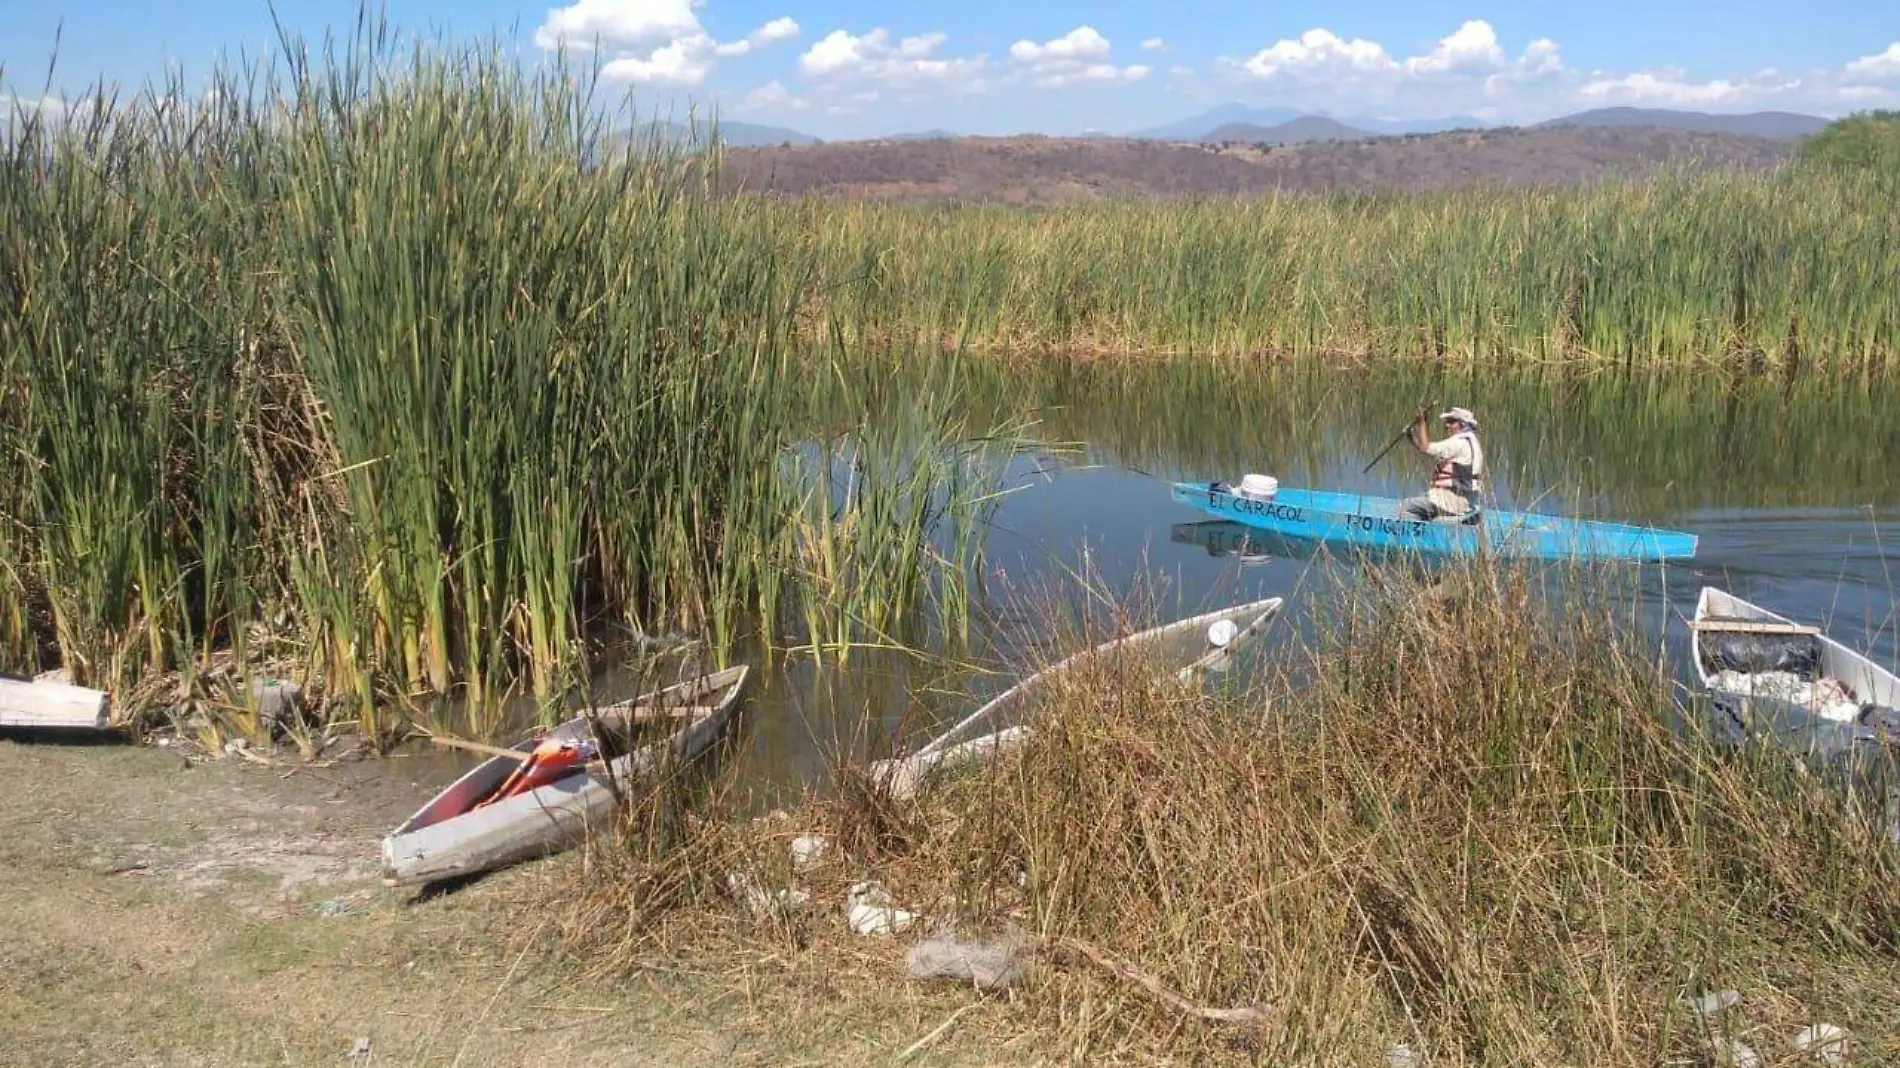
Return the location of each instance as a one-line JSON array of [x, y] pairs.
[[854, 68]]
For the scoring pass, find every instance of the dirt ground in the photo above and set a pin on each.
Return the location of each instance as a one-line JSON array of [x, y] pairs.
[[171, 910]]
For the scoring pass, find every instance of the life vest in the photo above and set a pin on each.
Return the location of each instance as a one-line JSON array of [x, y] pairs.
[[553, 759], [1465, 480]]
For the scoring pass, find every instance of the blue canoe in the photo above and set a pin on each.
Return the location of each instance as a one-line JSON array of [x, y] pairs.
[[1375, 522]]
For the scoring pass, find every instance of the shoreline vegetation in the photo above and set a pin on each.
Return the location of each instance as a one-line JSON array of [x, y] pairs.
[[373, 365], [1466, 819]]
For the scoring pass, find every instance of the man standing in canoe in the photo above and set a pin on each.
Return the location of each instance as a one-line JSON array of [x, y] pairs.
[[1458, 471]]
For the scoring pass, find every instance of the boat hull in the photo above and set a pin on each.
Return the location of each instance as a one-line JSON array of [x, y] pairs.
[[903, 776], [445, 839], [1345, 519], [1784, 721]]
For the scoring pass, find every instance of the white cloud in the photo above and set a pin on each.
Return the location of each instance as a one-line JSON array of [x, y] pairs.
[[1863, 93], [1672, 87], [1079, 57], [658, 42], [683, 62], [1318, 54], [1473, 46], [617, 22], [911, 62], [1542, 56], [1472, 51], [1883, 66], [1092, 73], [773, 96], [52, 112], [1465, 71], [783, 28], [1081, 43], [48, 107], [1155, 44]]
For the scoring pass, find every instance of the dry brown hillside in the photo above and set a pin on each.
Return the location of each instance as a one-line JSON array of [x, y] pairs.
[[1042, 170]]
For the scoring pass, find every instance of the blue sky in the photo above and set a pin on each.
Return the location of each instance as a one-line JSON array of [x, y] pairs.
[[840, 68]]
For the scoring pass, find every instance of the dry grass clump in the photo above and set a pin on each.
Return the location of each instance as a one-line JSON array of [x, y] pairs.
[[1465, 823]]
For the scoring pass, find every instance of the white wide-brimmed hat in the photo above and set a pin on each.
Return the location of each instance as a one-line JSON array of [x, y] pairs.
[[1463, 415]]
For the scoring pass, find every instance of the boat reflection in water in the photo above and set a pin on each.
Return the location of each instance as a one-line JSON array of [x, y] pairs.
[[1249, 545]]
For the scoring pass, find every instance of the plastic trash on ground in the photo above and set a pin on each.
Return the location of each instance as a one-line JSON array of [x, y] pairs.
[[749, 893], [807, 850], [868, 910], [1824, 1041], [1716, 1003], [989, 963]]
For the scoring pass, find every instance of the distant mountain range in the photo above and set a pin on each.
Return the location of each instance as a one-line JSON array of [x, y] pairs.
[[1293, 132], [1779, 124], [734, 134], [1201, 127], [1238, 122], [1037, 169], [1286, 126]]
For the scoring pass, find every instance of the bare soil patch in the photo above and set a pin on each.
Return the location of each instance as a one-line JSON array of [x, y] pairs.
[[167, 910], [1051, 170]]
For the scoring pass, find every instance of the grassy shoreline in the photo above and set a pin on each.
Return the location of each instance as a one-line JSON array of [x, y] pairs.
[[1467, 829], [1471, 829]]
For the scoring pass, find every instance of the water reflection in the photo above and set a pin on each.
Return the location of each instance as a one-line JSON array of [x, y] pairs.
[[1248, 545], [1791, 487]]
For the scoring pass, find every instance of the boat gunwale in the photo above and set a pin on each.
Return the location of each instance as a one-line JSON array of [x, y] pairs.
[[729, 682], [899, 770], [1660, 543]]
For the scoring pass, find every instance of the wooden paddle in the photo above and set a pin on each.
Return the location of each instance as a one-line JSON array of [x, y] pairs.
[[640, 715], [477, 747], [1395, 440], [1388, 448]]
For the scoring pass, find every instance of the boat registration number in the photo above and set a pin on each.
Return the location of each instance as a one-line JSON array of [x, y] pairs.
[[1386, 525]]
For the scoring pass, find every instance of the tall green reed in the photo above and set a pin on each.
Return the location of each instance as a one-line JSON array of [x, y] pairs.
[[891, 494], [1678, 269], [404, 354]]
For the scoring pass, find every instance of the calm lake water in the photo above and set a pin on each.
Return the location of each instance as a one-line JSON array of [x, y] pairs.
[[1790, 485]]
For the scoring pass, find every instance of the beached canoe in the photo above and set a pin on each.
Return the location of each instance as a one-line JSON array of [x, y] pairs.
[[1788, 679], [1224, 633], [1375, 523], [451, 837], [47, 704]]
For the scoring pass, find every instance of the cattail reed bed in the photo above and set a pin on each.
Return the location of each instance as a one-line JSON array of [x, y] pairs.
[[1464, 816], [394, 370], [1740, 271]]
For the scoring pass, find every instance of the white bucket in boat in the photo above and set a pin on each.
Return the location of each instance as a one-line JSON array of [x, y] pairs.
[[1258, 487]]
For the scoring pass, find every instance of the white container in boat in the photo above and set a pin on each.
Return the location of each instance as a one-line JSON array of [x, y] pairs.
[[1258, 487]]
